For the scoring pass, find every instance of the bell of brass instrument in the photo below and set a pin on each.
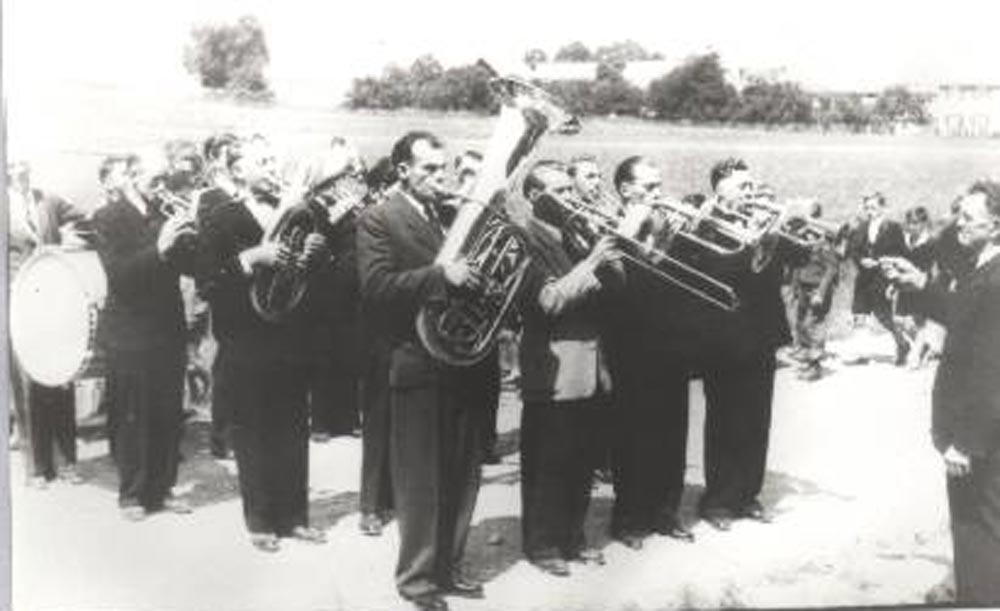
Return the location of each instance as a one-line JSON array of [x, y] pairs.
[[462, 329], [277, 291], [170, 204], [651, 252]]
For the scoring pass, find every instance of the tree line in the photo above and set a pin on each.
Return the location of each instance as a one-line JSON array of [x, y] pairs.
[[233, 57], [696, 91]]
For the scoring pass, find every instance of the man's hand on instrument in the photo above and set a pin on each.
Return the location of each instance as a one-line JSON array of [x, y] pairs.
[[314, 251], [903, 273], [816, 299], [604, 252], [956, 462], [172, 231], [268, 254], [460, 274]]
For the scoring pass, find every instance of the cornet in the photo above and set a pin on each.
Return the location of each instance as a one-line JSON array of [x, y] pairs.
[[171, 205]]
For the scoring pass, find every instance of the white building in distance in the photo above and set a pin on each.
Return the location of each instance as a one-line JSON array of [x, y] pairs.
[[971, 110]]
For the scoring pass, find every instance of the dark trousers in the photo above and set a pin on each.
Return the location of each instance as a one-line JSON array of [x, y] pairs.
[[52, 422], [491, 401], [270, 434], [810, 322], [146, 397], [882, 311], [376, 483], [738, 394], [333, 398], [649, 455], [560, 447], [435, 447], [222, 412], [974, 502]]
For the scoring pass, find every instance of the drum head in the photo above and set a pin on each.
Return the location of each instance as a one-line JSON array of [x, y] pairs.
[[53, 316]]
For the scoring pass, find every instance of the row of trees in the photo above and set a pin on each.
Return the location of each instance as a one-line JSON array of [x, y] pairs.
[[695, 91], [233, 58]]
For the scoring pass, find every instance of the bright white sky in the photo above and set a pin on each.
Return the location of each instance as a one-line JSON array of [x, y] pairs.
[[834, 43]]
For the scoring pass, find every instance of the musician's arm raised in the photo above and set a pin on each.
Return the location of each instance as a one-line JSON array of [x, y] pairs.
[[381, 282]]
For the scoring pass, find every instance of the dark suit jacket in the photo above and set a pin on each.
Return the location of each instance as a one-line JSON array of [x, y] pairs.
[[333, 297], [396, 251], [560, 352], [226, 228], [870, 284], [53, 213], [144, 310], [966, 397]]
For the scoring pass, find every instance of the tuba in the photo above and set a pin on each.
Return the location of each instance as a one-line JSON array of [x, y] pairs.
[[276, 292], [461, 329]]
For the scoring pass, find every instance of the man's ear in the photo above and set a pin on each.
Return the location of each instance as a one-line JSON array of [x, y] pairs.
[[402, 170]]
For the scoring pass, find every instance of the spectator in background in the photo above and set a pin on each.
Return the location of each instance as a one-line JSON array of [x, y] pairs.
[[813, 286], [952, 258], [920, 250], [876, 236], [46, 416]]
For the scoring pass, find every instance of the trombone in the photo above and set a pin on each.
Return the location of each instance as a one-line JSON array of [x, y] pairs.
[[587, 225]]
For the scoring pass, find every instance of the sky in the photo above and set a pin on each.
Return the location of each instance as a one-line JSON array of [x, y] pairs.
[[836, 44]]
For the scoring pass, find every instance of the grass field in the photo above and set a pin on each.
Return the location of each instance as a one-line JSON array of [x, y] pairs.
[[69, 131]]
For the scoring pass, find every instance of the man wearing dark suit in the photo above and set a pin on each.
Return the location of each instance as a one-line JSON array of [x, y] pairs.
[[966, 396], [376, 484], [738, 369], [47, 413], [435, 423], [650, 348], [334, 189], [143, 254], [565, 381], [261, 366], [876, 237]]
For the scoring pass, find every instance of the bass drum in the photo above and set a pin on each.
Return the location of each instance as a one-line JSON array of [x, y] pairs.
[[56, 304]]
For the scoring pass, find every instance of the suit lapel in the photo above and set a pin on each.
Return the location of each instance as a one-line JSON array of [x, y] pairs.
[[417, 227]]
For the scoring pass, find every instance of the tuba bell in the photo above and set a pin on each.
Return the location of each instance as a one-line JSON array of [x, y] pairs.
[[461, 329], [332, 193]]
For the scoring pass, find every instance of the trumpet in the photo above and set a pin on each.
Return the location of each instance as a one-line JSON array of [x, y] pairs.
[[586, 226], [171, 205]]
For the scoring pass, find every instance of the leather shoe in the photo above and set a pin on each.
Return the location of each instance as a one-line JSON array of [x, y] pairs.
[[674, 530], [429, 602], [629, 540], [589, 556], [553, 566], [756, 512], [464, 588], [719, 521], [370, 525]]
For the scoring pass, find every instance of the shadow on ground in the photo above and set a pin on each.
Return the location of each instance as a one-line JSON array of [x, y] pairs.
[[204, 480], [494, 544]]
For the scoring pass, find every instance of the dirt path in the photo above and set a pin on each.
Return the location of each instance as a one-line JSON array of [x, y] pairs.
[[856, 487]]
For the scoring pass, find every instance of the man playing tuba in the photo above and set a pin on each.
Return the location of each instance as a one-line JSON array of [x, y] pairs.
[[436, 425]]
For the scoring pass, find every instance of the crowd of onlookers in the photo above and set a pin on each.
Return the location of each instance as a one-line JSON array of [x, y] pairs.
[[872, 233]]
